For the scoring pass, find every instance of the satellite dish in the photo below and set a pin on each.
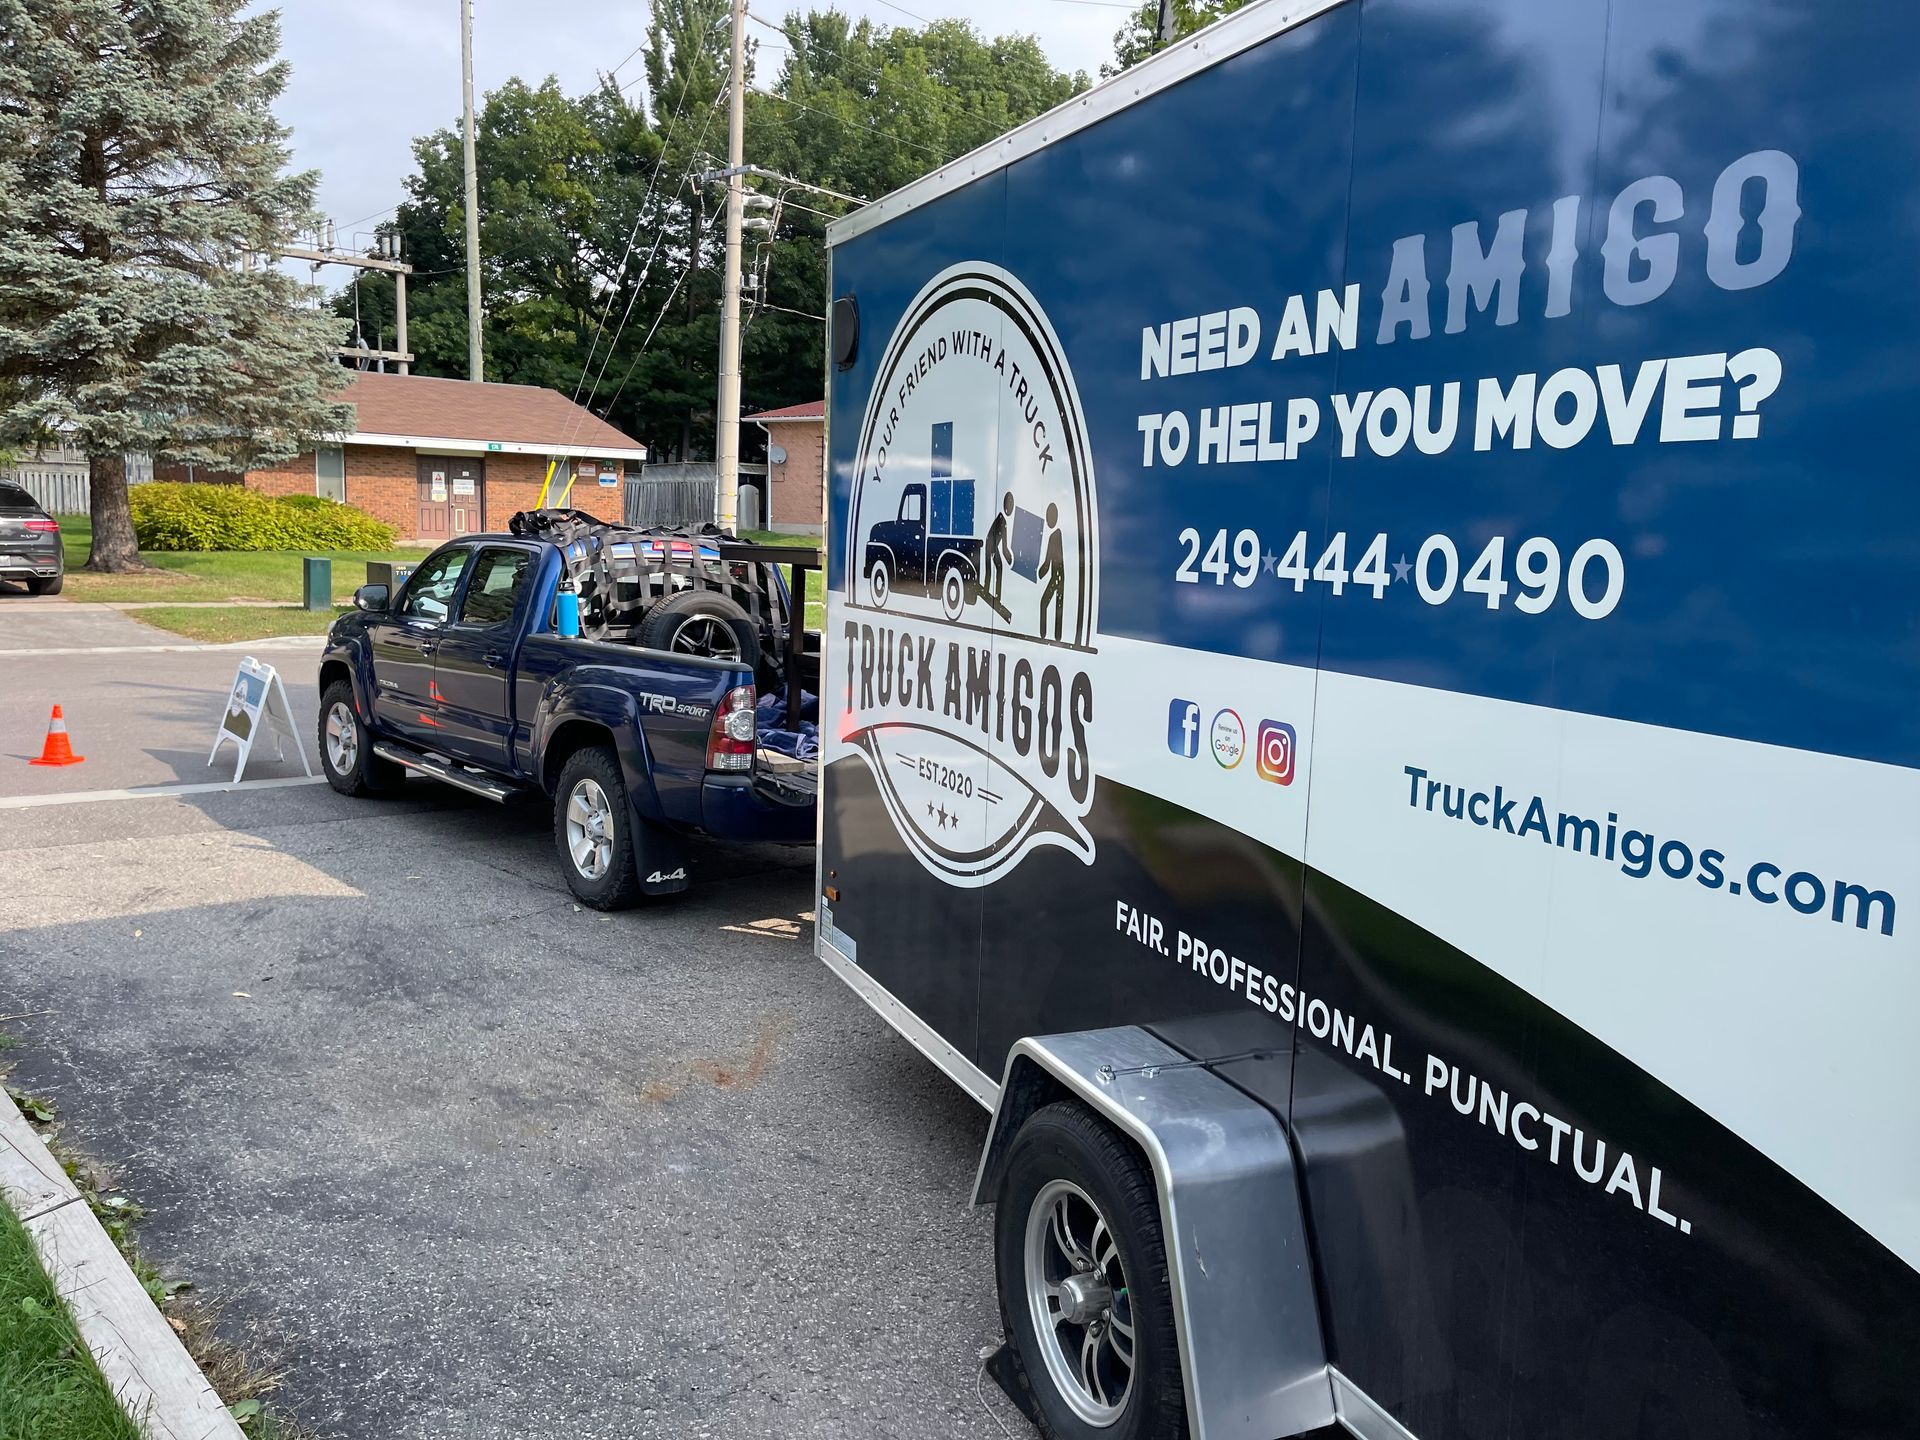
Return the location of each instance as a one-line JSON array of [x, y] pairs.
[[777, 454]]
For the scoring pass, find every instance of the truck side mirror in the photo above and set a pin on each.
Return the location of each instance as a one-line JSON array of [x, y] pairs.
[[370, 597]]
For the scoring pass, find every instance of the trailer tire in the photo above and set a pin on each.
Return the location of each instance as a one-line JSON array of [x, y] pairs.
[[1069, 1174], [593, 830]]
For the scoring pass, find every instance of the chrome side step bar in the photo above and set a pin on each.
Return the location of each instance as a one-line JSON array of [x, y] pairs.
[[445, 771]]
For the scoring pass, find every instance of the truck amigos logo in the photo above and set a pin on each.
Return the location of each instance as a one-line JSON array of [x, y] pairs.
[[970, 587]]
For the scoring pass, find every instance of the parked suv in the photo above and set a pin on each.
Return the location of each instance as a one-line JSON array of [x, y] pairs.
[[30, 548]]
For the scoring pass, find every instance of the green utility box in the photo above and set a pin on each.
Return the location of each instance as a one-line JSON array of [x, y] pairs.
[[316, 583]]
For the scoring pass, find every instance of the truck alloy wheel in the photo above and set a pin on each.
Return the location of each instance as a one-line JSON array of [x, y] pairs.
[[342, 738], [703, 623], [1085, 1295], [592, 829], [346, 748], [589, 821], [878, 584]]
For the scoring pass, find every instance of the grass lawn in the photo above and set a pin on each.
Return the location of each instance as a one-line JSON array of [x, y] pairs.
[[50, 1388], [816, 581], [214, 574], [235, 622]]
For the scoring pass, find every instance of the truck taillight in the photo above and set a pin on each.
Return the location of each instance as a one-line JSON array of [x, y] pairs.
[[46, 527], [730, 742]]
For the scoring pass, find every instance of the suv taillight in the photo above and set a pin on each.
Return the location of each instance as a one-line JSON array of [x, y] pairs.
[[44, 526], [730, 742]]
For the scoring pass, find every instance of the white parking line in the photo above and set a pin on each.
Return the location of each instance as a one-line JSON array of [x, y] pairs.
[[278, 642], [78, 797]]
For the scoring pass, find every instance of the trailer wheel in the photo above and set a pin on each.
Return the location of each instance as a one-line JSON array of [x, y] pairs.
[[593, 830], [879, 583], [1084, 1290]]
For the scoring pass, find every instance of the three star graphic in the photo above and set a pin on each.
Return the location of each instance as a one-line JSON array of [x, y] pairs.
[[941, 818]]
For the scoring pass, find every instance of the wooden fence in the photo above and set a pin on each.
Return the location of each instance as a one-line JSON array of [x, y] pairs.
[[59, 481]]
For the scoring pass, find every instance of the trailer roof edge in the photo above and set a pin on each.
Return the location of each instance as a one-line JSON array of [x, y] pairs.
[[1241, 30]]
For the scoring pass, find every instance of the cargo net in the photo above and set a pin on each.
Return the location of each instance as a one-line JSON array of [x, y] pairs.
[[621, 572]]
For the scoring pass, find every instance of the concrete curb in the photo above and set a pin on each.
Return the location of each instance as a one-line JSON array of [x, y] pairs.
[[143, 1360]]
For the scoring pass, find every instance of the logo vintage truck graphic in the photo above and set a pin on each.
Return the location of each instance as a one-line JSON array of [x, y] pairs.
[[970, 598]]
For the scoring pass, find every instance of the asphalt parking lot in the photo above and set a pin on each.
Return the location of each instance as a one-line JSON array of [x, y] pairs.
[[471, 1161]]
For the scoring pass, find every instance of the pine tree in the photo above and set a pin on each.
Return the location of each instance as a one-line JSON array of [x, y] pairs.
[[142, 172]]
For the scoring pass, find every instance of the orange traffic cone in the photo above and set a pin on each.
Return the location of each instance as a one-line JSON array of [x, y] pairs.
[[58, 750]]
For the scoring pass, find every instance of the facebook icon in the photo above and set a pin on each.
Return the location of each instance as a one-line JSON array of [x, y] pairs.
[[1183, 728]]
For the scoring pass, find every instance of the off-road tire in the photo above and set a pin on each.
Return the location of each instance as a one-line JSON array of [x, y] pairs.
[[661, 625], [1066, 1141], [619, 886], [367, 774], [45, 585]]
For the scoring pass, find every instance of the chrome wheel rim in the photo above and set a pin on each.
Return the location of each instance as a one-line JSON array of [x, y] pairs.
[[590, 829], [343, 739], [706, 635], [1080, 1302]]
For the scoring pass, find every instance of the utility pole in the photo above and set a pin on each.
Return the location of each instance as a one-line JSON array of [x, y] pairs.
[[476, 366], [389, 261], [1163, 24], [726, 447]]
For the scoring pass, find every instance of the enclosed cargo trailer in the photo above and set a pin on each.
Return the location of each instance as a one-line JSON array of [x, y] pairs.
[[1413, 856]]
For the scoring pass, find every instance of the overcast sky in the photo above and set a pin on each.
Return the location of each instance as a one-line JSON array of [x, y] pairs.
[[370, 75]]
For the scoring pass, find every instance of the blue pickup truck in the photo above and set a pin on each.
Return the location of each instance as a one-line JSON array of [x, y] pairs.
[[642, 728]]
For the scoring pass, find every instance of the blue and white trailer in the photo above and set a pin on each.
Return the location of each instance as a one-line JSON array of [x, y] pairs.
[[1416, 865]]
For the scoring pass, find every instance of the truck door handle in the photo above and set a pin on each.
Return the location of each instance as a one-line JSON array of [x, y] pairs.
[[427, 647], [495, 659]]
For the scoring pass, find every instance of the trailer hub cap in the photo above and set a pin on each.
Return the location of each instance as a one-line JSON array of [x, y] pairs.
[[1078, 1298]]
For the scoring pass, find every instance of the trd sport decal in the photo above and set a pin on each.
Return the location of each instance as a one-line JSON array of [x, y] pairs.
[[970, 597]]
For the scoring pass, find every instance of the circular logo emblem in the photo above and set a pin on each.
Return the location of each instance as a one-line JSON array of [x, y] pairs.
[[969, 604], [1229, 739]]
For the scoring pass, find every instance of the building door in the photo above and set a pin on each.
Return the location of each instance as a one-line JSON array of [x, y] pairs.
[[466, 494], [433, 516]]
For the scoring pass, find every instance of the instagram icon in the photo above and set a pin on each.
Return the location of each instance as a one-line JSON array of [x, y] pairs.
[[1274, 751]]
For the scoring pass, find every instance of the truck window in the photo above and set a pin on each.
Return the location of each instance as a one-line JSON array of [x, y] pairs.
[[494, 590], [430, 592], [913, 505]]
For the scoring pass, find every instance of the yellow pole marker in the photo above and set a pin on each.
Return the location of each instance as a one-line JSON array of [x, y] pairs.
[[541, 503]]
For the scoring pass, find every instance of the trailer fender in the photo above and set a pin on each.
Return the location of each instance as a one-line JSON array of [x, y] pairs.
[[1251, 1350]]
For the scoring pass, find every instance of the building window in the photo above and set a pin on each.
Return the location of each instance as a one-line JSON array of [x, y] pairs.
[[330, 473]]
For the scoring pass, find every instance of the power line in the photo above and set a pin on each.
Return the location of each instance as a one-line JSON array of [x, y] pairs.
[[659, 235], [639, 214]]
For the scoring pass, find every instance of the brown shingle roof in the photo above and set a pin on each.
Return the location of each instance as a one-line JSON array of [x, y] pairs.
[[806, 410], [478, 413]]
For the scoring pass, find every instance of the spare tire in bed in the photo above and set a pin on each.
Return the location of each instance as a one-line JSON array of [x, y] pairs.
[[702, 622]]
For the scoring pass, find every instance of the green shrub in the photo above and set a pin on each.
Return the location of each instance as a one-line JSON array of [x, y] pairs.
[[231, 517]]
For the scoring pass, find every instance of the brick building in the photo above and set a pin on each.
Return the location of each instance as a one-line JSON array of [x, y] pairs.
[[796, 463], [437, 458]]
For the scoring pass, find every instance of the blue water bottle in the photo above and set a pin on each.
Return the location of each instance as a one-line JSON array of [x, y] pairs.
[[569, 611]]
